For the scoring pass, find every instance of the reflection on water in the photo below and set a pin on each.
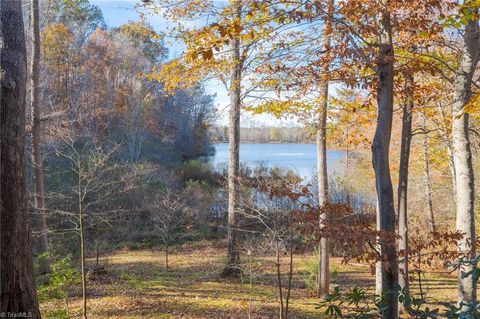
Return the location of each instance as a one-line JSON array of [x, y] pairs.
[[301, 158]]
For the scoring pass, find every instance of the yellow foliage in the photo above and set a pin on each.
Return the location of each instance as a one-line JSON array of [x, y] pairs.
[[56, 43], [280, 108], [473, 105]]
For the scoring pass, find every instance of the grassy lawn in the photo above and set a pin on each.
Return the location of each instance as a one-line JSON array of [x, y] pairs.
[[137, 285]]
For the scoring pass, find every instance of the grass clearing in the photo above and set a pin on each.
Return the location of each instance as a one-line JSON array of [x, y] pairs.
[[137, 285]]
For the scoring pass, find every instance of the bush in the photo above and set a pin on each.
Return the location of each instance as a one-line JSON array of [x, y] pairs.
[[194, 170], [309, 273], [59, 281], [58, 284]]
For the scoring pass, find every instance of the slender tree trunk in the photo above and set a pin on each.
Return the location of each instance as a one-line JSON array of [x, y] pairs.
[[463, 159], [97, 253], [166, 257], [233, 257], [403, 182], [250, 278], [289, 282], [323, 284], [37, 160], [279, 281], [82, 240], [84, 275], [387, 280], [17, 283], [426, 180], [448, 145], [323, 278]]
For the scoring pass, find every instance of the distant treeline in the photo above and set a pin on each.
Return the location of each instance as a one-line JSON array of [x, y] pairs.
[[265, 134]]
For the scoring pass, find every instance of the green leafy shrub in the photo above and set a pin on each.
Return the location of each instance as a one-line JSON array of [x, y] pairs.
[[58, 284], [352, 304], [309, 272]]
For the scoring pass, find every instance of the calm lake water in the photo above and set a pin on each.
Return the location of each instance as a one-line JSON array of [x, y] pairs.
[[301, 158]]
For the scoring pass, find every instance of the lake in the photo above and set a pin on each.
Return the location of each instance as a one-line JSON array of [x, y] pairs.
[[301, 158]]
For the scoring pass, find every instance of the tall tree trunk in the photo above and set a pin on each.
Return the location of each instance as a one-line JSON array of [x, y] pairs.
[[463, 159], [403, 181], [233, 257], [279, 280], [17, 284], [426, 180], [82, 240], [323, 284], [387, 278], [37, 160], [83, 265]]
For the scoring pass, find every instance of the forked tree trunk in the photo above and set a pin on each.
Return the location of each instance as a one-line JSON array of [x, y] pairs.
[[323, 278], [387, 277], [426, 180], [465, 220], [233, 257], [37, 159], [403, 181], [17, 284]]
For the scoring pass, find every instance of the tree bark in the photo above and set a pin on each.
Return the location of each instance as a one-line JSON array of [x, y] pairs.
[[17, 284], [83, 265], [323, 278], [82, 240], [37, 160], [448, 145], [233, 256], [166, 257], [279, 281], [388, 267], [464, 176], [406, 139], [426, 180]]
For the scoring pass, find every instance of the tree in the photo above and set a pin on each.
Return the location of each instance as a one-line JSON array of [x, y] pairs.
[[37, 158], [272, 200], [17, 283], [426, 179], [387, 278], [233, 255], [225, 50], [94, 181], [462, 154], [298, 74], [169, 213], [142, 36], [406, 139], [416, 88], [80, 16], [322, 176]]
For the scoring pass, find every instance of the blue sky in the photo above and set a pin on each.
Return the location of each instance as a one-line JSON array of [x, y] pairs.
[[117, 12]]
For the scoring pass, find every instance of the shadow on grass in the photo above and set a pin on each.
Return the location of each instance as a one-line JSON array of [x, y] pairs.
[[193, 288]]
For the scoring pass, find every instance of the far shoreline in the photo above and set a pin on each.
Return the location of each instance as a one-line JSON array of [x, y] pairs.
[[353, 153]]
